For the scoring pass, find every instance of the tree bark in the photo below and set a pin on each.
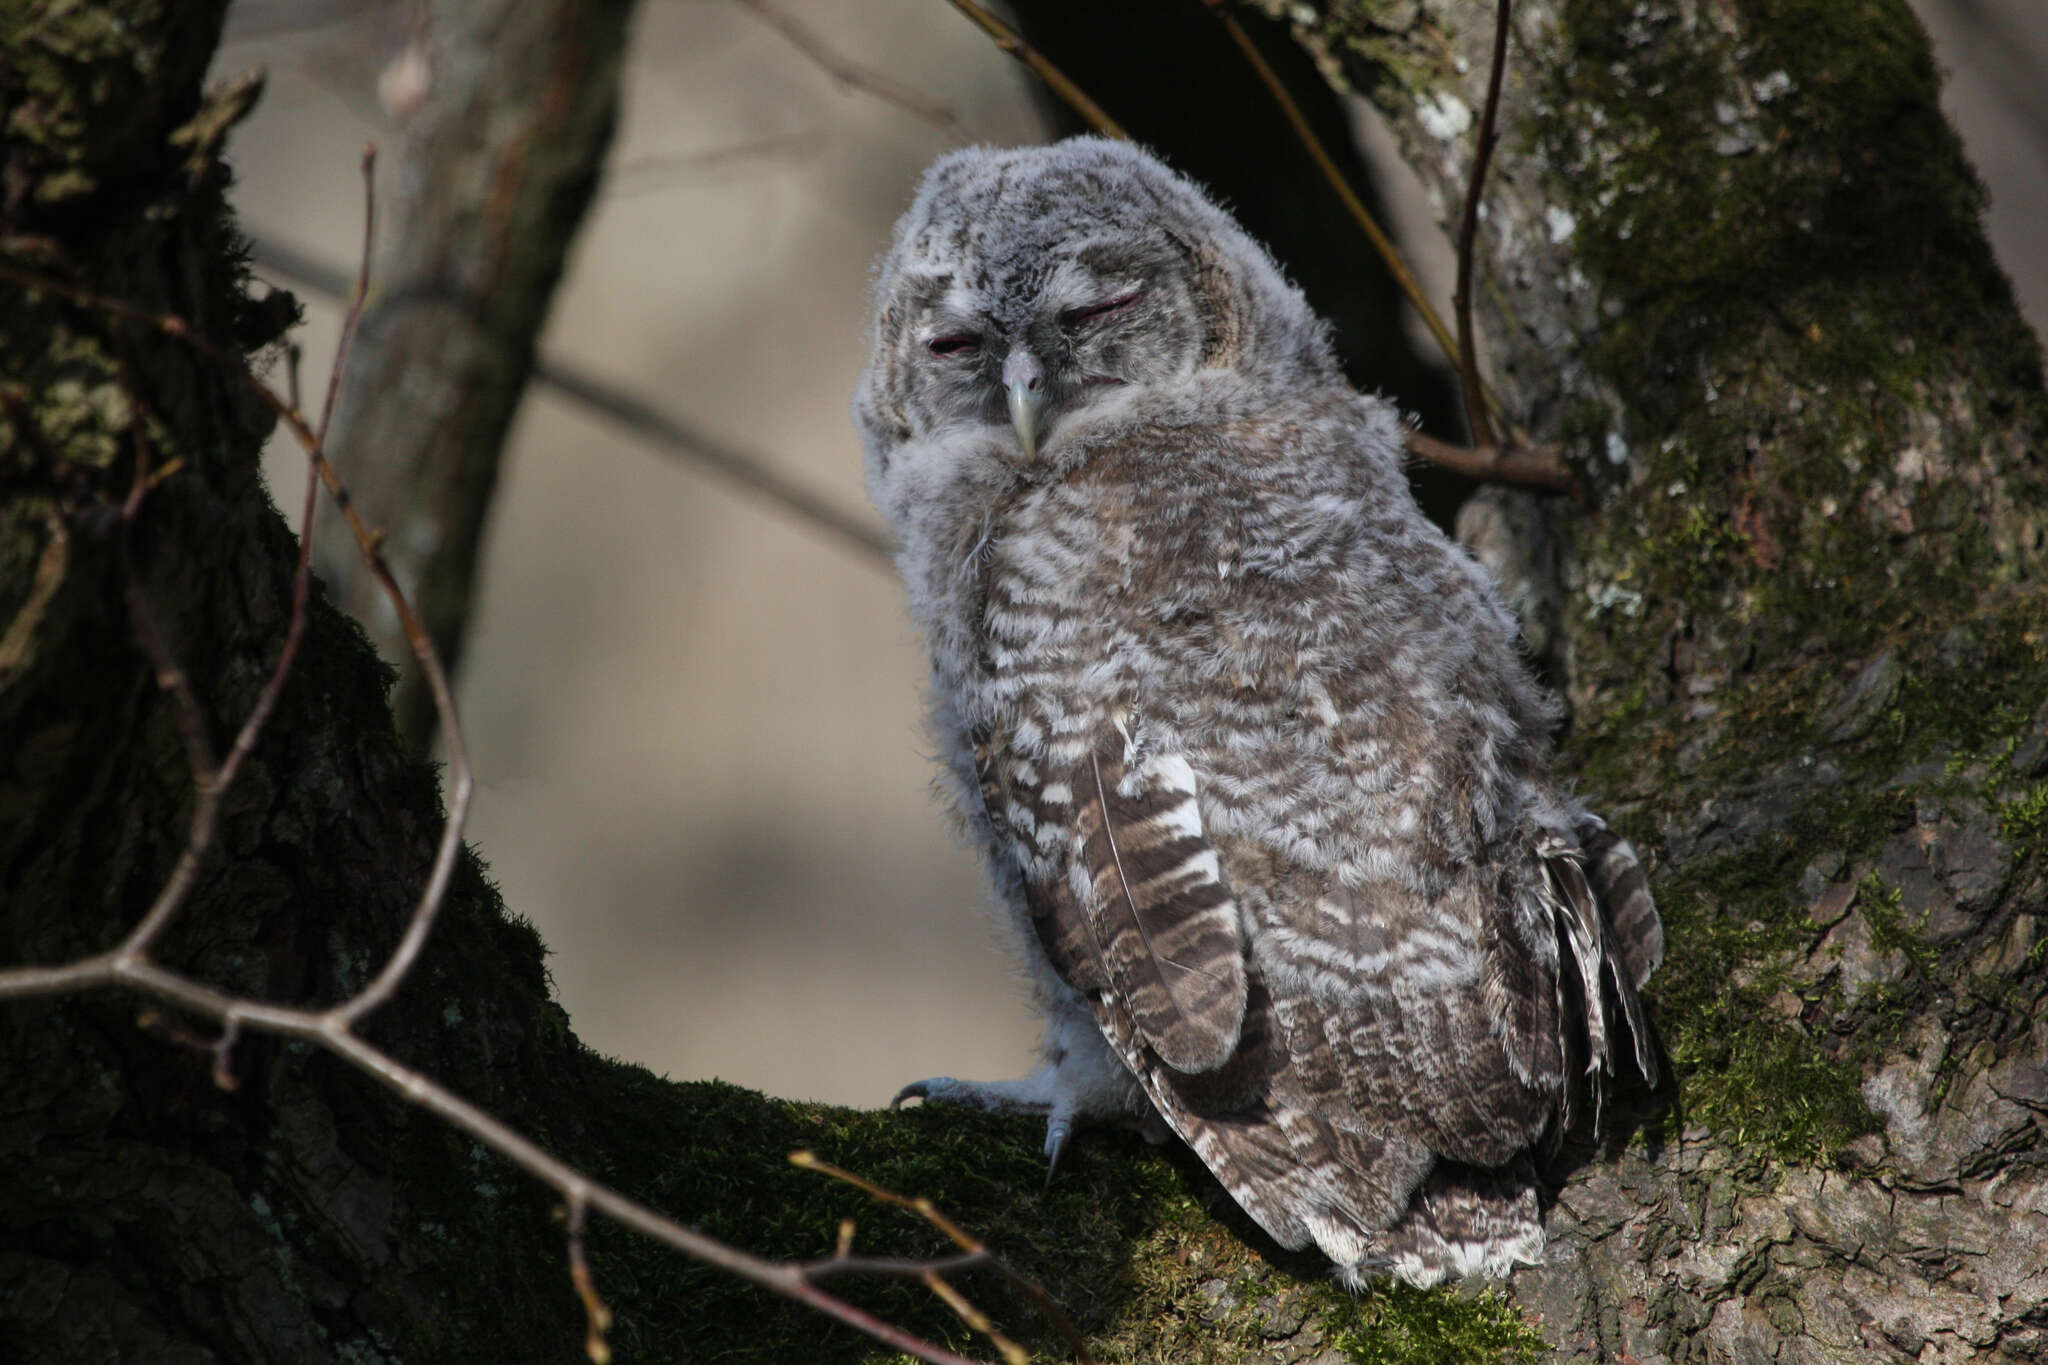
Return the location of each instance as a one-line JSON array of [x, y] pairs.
[[1731, 260]]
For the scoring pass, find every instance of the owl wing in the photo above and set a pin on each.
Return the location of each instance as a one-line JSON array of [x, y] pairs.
[[1480, 1022], [1138, 917]]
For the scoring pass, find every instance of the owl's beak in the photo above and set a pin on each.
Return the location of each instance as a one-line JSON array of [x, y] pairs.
[[1024, 382]]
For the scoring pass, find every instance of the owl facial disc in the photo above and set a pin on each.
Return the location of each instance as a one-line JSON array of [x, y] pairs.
[[1024, 382]]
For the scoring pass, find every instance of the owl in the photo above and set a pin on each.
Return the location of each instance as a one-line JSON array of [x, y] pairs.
[[1261, 779]]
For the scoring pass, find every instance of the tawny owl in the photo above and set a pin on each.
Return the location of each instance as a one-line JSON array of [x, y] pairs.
[[1246, 740]]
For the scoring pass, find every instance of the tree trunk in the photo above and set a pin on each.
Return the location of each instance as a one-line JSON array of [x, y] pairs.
[[1732, 260]]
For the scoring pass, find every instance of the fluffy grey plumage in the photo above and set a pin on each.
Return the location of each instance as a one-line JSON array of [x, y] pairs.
[[1245, 738]]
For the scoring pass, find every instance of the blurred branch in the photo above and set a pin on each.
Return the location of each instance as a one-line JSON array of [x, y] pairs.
[[749, 471], [2009, 57], [1353, 204], [499, 165], [645, 173], [1007, 39], [852, 75], [258, 20]]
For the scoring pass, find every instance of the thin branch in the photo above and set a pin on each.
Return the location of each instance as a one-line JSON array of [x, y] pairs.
[[51, 566], [1467, 357], [462, 784], [640, 175], [353, 322], [1355, 206], [750, 471], [597, 1317], [965, 1310], [1522, 466], [1007, 39], [971, 1246], [892, 1267], [170, 677], [852, 75]]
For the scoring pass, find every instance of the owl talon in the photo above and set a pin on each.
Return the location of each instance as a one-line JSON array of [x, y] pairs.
[[996, 1097], [1058, 1129], [920, 1090]]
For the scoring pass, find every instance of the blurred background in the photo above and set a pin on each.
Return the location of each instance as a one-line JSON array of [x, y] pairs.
[[695, 721]]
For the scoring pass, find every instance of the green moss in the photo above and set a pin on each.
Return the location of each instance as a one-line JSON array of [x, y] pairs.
[[1375, 37], [1884, 909], [1139, 1245], [2023, 822], [1780, 359], [1830, 402], [1760, 1050], [1396, 1324], [716, 1157], [1733, 1019]]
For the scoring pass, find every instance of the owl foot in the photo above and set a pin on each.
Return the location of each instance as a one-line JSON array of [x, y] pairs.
[[1038, 1093]]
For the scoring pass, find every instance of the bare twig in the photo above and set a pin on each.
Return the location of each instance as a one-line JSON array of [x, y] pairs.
[[890, 1267], [852, 75], [1006, 38], [1520, 466], [1327, 165], [1461, 300], [624, 179], [597, 1317], [128, 964], [641, 417], [975, 1252], [354, 321], [975, 1318], [16, 640]]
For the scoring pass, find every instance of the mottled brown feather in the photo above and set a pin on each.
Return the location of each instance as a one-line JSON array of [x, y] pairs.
[[1163, 921]]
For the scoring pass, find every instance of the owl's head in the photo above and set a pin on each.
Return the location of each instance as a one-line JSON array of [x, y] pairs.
[[1028, 288]]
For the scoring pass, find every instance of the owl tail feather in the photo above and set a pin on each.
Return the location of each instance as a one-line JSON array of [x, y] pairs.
[[1463, 1221], [1306, 1181]]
